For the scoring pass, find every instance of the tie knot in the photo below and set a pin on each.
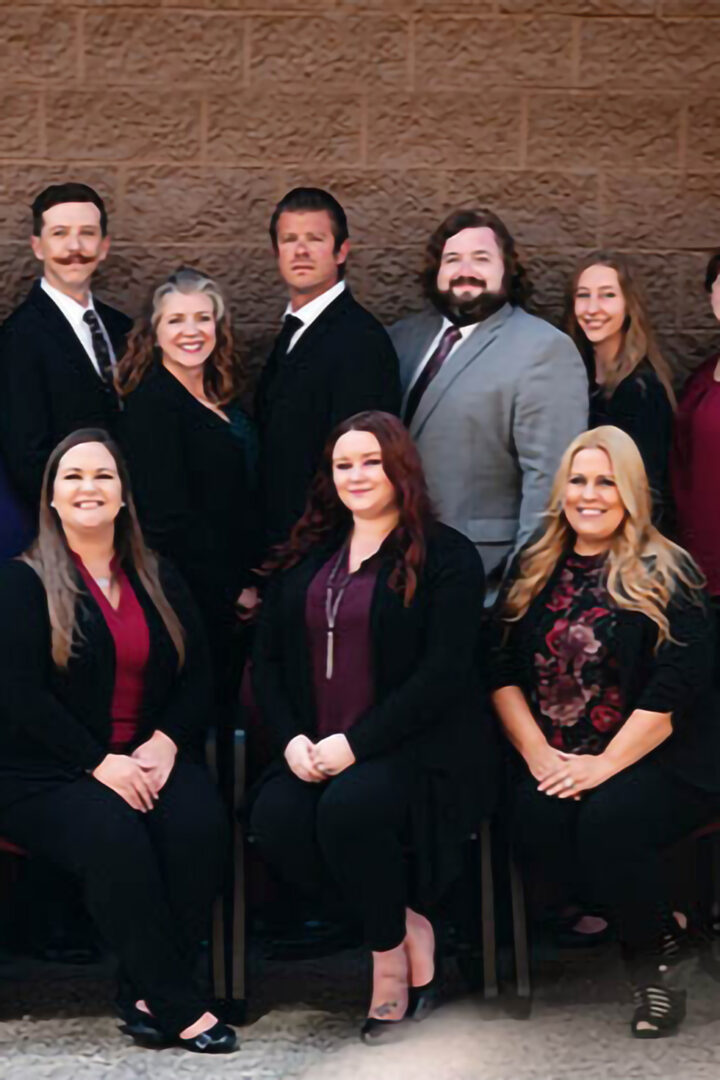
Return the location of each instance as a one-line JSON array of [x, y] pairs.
[[452, 334], [291, 323], [91, 319]]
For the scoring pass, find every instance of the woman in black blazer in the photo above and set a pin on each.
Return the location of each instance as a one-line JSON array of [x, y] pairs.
[[603, 685], [106, 694], [365, 671], [192, 454], [630, 381]]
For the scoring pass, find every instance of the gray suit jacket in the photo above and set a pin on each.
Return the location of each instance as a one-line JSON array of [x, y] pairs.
[[493, 423]]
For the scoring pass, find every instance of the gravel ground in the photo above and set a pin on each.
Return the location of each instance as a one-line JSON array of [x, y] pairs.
[[56, 1023]]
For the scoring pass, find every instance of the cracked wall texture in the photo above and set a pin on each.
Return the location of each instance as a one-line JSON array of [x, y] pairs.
[[584, 123]]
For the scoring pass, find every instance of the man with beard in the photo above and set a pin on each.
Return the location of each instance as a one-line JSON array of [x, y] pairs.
[[492, 395], [58, 348]]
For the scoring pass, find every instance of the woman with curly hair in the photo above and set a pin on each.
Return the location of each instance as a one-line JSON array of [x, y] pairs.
[[365, 671], [630, 382], [192, 453], [603, 684]]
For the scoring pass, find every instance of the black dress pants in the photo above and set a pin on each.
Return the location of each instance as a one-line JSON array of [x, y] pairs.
[[149, 879], [345, 833], [615, 835]]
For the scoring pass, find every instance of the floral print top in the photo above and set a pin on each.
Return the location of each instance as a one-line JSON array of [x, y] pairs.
[[576, 695]]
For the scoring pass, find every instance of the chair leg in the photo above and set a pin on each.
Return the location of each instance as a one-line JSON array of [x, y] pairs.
[[520, 932], [487, 899]]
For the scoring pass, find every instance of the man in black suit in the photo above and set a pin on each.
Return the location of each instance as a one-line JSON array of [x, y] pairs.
[[59, 347], [331, 359]]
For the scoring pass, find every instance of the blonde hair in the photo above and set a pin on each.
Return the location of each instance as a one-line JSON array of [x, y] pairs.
[[220, 373], [644, 568], [639, 342]]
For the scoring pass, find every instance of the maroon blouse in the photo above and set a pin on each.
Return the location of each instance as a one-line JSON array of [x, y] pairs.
[[342, 699], [131, 638], [694, 471]]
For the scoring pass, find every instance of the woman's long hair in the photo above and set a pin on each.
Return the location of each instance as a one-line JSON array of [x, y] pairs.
[[327, 516], [644, 568], [639, 342], [219, 370], [51, 558]]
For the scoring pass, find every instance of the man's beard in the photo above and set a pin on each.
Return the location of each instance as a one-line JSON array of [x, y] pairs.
[[472, 310]]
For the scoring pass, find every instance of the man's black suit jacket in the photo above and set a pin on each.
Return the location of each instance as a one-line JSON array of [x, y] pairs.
[[48, 386], [342, 364]]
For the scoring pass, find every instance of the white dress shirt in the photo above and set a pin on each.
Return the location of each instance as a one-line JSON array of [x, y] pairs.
[[308, 313], [73, 312], [465, 332]]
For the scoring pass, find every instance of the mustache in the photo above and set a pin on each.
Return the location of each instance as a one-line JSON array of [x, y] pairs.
[[480, 283], [69, 260]]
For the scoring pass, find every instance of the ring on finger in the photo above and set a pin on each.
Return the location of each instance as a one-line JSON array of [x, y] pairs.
[[569, 782]]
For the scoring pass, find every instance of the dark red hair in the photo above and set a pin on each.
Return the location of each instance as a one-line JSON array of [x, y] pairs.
[[326, 516]]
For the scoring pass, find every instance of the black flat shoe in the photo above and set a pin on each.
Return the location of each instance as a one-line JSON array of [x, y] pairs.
[[142, 1027], [375, 1032], [422, 1000], [219, 1039]]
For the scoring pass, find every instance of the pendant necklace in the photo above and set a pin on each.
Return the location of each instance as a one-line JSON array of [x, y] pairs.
[[332, 607]]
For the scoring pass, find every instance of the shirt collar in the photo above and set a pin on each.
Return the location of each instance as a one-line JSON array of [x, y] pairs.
[[71, 309], [308, 313], [465, 331]]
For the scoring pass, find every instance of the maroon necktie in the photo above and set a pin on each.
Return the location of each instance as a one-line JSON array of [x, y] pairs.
[[428, 373]]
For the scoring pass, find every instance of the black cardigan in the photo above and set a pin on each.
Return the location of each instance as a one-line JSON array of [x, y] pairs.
[[429, 701], [195, 488], [640, 407], [676, 679], [55, 723]]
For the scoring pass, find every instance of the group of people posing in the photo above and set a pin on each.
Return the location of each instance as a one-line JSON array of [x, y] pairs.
[[456, 529]]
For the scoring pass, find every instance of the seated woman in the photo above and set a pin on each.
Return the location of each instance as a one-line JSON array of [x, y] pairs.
[[602, 685], [630, 384], [365, 671], [192, 453], [106, 693]]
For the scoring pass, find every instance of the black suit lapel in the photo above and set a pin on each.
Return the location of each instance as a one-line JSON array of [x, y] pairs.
[[63, 335]]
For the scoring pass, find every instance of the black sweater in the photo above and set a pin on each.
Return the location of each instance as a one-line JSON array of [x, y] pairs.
[[428, 697], [676, 679], [56, 723]]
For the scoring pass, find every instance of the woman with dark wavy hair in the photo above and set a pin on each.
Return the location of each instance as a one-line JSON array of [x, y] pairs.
[[106, 695], [365, 673], [192, 454]]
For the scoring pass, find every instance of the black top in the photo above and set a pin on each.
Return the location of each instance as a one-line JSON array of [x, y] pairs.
[[428, 701], [676, 679], [56, 723], [194, 481], [343, 363], [49, 386], [640, 406]]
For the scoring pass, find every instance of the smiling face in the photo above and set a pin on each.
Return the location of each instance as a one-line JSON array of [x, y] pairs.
[[593, 507], [71, 246], [599, 305], [186, 330], [87, 493], [471, 264], [359, 477], [307, 259]]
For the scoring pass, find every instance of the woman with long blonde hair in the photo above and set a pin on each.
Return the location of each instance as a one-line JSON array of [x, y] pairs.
[[106, 694], [601, 680], [631, 387]]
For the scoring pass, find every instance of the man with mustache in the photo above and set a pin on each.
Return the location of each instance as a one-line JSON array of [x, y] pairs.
[[58, 348], [331, 359], [491, 394]]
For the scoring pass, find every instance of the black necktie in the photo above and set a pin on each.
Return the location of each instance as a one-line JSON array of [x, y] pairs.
[[428, 373], [282, 342], [100, 346]]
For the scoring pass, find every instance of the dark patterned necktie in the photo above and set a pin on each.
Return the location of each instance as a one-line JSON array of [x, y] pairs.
[[100, 346], [282, 342], [428, 373]]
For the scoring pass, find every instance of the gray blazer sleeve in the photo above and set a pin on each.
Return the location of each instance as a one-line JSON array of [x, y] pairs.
[[551, 408]]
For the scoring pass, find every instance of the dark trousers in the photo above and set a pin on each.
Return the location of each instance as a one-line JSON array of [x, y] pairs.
[[149, 879], [348, 833], [615, 835]]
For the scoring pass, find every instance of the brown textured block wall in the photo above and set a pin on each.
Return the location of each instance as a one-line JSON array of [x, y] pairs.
[[583, 122]]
